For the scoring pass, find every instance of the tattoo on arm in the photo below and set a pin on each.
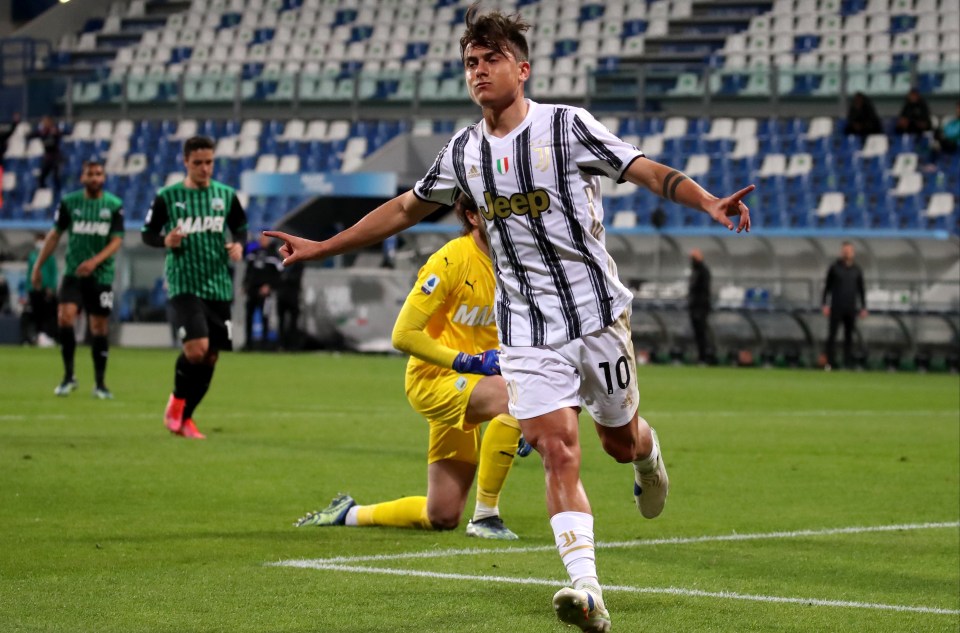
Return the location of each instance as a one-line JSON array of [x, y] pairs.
[[673, 187], [666, 182], [670, 184]]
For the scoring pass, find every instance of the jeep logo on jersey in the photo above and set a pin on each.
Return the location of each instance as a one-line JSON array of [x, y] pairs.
[[474, 315], [201, 224], [534, 203], [86, 227]]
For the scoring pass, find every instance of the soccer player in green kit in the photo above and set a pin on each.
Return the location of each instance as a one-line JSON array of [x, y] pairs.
[[190, 220], [94, 219]]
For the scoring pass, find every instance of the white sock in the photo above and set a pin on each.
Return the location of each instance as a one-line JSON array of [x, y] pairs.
[[646, 464], [351, 518], [483, 511], [573, 533]]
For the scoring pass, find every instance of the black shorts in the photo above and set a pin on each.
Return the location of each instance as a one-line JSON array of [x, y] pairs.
[[95, 298], [195, 318]]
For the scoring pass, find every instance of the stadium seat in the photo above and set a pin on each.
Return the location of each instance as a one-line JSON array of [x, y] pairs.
[[908, 184], [773, 165], [289, 164], [831, 203], [800, 165], [41, 201], [697, 165], [940, 205], [904, 163], [875, 145], [625, 219]]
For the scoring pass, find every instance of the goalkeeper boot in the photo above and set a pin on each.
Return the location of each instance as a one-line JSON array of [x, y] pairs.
[[333, 514], [580, 607], [650, 488], [491, 528], [66, 387], [173, 415], [189, 430]]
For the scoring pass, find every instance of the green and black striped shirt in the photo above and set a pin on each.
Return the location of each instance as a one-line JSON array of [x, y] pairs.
[[92, 223], [200, 266]]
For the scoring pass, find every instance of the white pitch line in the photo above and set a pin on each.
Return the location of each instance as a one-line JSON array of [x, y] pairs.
[[680, 540], [674, 591]]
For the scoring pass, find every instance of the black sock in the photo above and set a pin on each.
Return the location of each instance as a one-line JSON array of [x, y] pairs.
[[100, 348], [68, 347], [184, 378], [203, 376]]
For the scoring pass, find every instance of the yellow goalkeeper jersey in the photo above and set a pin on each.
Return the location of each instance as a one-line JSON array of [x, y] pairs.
[[449, 310]]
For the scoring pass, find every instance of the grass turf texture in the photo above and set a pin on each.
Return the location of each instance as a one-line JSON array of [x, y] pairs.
[[108, 523]]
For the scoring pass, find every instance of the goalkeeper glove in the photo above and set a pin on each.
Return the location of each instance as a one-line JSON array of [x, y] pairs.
[[486, 363], [523, 448]]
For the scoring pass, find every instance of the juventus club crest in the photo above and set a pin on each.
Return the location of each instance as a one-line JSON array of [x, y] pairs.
[[543, 158]]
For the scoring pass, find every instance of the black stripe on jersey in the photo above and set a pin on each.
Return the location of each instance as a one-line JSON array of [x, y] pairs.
[[537, 322], [561, 143], [595, 145], [548, 253], [459, 166], [430, 180]]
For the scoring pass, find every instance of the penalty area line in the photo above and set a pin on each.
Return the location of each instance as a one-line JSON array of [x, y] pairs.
[[673, 591]]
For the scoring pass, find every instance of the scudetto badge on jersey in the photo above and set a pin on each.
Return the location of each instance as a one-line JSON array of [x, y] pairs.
[[503, 165], [430, 284]]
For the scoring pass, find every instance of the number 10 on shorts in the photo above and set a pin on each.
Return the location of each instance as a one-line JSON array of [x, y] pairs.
[[621, 370]]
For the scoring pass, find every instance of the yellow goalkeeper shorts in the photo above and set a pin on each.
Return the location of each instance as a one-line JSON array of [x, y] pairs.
[[442, 399]]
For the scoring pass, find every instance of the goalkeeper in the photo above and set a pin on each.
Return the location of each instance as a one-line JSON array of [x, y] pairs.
[[447, 325]]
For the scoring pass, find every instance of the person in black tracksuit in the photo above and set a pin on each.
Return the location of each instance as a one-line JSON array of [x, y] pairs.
[[844, 286], [698, 303], [260, 281], [288, 306]]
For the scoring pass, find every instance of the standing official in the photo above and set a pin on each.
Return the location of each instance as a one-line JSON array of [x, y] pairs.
[[844, 286], [698, 303], [260, 282]]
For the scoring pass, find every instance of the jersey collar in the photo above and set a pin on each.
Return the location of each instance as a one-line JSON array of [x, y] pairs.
[[493, 140]]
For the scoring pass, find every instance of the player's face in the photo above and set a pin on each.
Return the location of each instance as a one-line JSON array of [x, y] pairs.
[[493, 78], [199, 166], [93, 178]]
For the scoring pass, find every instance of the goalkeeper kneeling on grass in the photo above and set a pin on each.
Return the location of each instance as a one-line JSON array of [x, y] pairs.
[[448, 326]]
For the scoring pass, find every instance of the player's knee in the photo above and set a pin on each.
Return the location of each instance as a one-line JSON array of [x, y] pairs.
[[443, 519], [195, 354], [558, 453]]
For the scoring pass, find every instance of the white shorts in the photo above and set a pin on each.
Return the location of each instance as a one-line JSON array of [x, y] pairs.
[[596, 371]]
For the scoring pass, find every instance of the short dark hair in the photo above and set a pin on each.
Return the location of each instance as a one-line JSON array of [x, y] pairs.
[[91, 162], [194, 143], [463, 204], [495, 31]]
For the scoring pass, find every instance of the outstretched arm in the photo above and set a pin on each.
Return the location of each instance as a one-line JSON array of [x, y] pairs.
[[388, 219], [49, 244], [671, 184]]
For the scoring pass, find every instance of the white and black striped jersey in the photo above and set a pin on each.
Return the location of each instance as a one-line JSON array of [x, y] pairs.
[[538, 189]]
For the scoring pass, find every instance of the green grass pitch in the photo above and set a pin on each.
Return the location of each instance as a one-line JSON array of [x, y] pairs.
[[109, 524]]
